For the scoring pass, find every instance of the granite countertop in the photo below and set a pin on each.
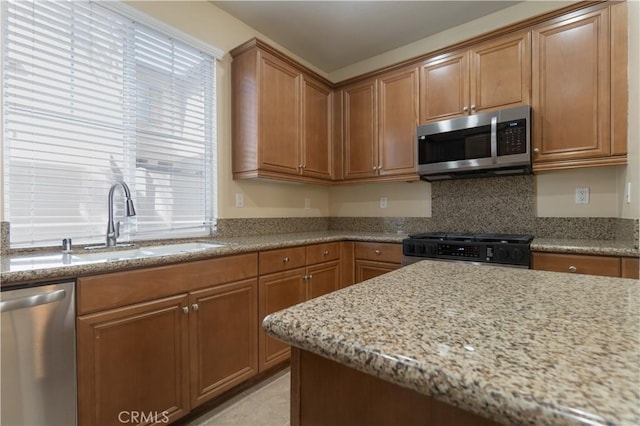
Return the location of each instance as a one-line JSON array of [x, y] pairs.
[[593, 247], [517, 346], [53, 265], [43, 266]]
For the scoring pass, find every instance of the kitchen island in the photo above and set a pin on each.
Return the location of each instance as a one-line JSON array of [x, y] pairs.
[[514, 346]]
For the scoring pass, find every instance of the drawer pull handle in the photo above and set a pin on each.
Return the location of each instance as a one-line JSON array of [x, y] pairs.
[[572, 269], [326, 253], [377, 251], [185, 309], [285, 260]]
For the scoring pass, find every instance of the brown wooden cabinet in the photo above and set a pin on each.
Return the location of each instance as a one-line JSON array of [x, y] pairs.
[[491, 75], [281, 117], [289, 276], [375, 259], [223, 338], [573, 97], [163, 340], [134, 359], [610, 266], [380, 117]]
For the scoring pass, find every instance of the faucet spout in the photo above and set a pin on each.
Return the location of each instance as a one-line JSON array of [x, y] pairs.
[[113, 228]]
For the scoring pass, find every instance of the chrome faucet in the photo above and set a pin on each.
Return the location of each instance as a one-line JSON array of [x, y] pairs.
[[113, 229]]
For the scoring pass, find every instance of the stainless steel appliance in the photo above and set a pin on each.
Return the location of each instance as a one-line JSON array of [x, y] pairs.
[[495, 249], [485, 144], [38, 367]]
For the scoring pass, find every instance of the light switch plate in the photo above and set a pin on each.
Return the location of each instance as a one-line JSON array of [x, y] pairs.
[[383, 202], [239, 199], [307, 203]]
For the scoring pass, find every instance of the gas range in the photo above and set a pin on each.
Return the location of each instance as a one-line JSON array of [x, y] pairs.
[[497, 249]]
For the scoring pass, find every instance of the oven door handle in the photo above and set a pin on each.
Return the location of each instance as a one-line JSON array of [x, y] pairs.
[[494, 139]]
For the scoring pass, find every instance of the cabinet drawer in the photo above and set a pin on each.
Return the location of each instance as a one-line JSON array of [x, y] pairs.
[[319, 253], [281, 259], [381, 252], [579, 264], [630, 267], [106, 291]]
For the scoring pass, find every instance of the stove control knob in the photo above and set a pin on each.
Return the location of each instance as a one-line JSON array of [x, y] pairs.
[[502, 254], [517, 254]]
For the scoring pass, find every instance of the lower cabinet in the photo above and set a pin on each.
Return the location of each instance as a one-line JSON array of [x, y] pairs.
[[610, 266], [155, 360], [223, 338], [133, 361], [295, 274], [375, 259]]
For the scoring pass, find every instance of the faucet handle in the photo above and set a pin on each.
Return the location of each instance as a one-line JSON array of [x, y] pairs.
[[117, 230]]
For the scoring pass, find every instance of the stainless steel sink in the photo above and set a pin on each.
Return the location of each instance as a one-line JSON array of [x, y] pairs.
[[142, 252]]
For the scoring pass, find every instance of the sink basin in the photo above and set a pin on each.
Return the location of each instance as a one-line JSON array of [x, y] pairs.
[[151, 251]]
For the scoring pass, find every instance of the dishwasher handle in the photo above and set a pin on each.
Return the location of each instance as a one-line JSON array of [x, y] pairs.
[[33, 300]]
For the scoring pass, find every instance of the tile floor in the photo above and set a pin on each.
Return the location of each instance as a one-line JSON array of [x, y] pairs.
[[265, 404]]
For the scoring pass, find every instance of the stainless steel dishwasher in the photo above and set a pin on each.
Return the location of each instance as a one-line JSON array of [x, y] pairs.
[[38, 360]]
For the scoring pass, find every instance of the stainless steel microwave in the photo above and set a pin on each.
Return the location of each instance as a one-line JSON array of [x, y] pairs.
[[485, 144]]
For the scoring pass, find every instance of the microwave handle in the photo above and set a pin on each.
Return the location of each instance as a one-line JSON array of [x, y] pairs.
[[494, 139]]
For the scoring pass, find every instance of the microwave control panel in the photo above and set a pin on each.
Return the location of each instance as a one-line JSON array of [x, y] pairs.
[[512, 137]]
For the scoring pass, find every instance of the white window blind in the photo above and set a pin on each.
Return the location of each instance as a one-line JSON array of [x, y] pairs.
[[92, 98]]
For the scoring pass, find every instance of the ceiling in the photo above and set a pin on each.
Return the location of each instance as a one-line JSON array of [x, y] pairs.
[[333, 34]]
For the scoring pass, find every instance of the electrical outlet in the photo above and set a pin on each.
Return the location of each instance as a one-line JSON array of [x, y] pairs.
[[582, 195], [383, 202], [239, 199], [307, 203]]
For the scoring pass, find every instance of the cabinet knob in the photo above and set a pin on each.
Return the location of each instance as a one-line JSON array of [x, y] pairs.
[[326, 253], [195, 306], [473, 107], [379, 167], [300, 166], [285, 260], [303, 167], [185, 309], [377, 251], [309, 276], [536, 150], [572, 268], [465, 108], [375, 168]]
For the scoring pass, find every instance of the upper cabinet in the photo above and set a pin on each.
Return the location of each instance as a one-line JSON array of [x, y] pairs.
[[281, 117], [379, 118], [575, 97], [570, 65], [491, 75]]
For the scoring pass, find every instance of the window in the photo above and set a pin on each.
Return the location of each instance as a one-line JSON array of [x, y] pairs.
[[91, 98]]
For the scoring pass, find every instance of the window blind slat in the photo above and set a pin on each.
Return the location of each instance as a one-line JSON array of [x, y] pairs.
[[91, 98]]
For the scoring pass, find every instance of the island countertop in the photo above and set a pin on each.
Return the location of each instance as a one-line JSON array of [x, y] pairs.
[[515, 345]]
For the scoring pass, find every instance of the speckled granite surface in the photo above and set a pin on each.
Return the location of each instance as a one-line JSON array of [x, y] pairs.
[[4, 237], [594, 247], [53, 265], [517, 346], [45, 266]]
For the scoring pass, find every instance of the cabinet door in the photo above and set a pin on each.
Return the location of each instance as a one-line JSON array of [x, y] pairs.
[[223, 338], [444, 87], [317, 149], [279, 128], [398, 119], [360, 144], [366, 269], [276, 292], [322, 279], [134, 360], [571, 88], [500, 73]]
